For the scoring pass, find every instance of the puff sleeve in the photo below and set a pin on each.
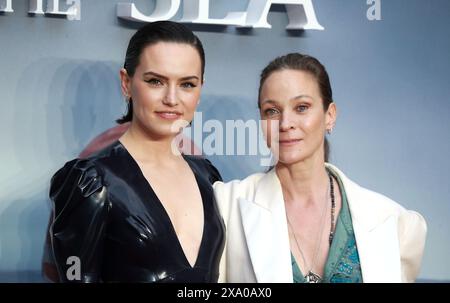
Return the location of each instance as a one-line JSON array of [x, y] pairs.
[[412, 234], [213, 173], [77, 232]]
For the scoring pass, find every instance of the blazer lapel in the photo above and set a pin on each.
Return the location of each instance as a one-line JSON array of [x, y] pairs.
[[375, 228], [265, 228], [378, 252]]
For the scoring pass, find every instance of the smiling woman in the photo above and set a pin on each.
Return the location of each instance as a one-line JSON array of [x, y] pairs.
[[119, 211], [325, 227]]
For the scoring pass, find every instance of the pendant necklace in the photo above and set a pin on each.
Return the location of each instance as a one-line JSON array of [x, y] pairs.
[[311, 276]]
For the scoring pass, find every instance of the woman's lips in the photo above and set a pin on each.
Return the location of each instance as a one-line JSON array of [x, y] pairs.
[[169, 115], [290, 142]]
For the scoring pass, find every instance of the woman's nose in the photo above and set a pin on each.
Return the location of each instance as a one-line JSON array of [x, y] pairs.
[[286, 122], [171, 98]]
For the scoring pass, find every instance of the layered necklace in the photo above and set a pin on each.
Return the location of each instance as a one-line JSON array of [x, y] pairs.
[[311, 276]]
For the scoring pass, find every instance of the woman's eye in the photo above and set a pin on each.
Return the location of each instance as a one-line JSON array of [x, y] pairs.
[[188, 85], [154, 82], [302, 108], [270, 112]]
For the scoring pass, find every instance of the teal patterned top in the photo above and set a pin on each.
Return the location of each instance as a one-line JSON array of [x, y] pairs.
[[343, 264]]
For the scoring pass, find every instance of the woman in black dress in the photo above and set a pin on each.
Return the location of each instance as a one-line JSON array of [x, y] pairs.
[[138, 211]]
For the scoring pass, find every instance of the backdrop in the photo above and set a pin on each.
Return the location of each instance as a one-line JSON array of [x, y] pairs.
[[59, 88]]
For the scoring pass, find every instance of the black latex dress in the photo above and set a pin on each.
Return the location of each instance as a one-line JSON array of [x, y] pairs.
[[106, 213]]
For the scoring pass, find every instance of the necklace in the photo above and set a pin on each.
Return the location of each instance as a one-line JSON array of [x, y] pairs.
[[311, 276]]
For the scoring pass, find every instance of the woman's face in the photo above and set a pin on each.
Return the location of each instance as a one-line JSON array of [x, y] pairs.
[[293, 98], [165, 88]]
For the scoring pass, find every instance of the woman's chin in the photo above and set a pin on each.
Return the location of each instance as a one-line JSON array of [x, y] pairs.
[[288, 158], [162, 132]]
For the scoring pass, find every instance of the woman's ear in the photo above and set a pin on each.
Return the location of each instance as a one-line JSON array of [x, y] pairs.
[[331, 115], [125, 83]]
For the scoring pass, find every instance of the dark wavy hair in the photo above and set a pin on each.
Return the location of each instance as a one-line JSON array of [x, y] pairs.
[[305, 63], [152, 33]]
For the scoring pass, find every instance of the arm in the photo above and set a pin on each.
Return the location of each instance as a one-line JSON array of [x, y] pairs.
[[80, 214]]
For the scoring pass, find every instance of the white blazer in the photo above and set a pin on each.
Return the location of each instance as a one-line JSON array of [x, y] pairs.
[[390, 239]]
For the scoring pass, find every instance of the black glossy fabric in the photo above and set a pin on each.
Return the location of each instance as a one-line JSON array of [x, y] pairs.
[[107, 214]]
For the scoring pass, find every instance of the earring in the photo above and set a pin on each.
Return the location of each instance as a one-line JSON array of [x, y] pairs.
[[330, 130]]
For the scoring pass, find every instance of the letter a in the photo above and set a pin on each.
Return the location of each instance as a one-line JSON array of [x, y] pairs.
[[374, 12], [300, 12], [74, 271]]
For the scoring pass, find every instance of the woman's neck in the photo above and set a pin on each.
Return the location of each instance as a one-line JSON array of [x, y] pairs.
[[304, 182], [147, 149]]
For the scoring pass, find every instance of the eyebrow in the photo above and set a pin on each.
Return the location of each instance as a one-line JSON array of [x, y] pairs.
[[165, 78], [292, 99]]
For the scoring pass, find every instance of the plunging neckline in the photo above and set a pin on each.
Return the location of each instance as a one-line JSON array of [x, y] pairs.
[[164, 211]]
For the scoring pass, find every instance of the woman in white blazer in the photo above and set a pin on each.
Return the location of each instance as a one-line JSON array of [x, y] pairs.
[[304, 220]]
